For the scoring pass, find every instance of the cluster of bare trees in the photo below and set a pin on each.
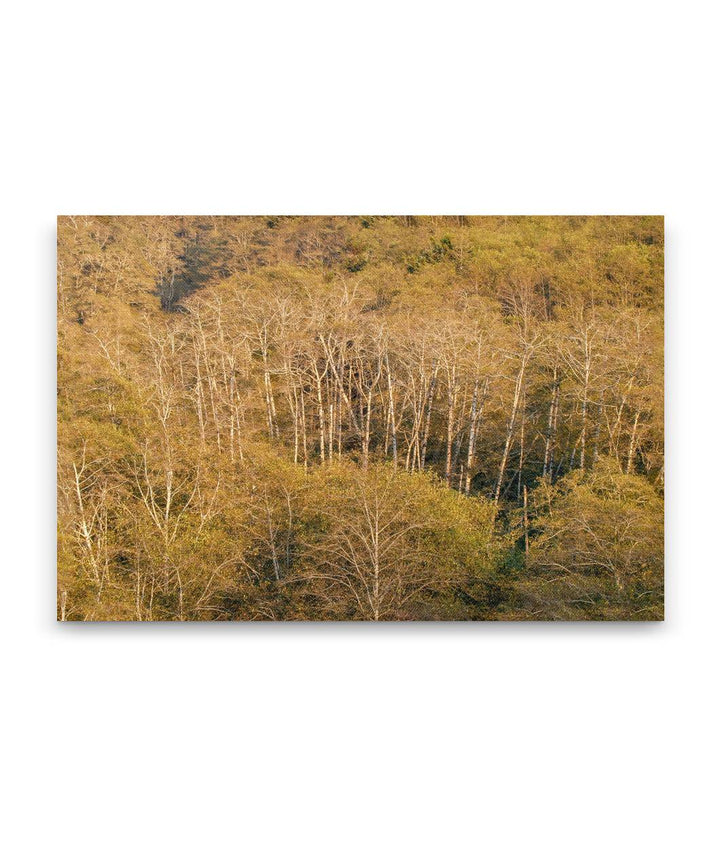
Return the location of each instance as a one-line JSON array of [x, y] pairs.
[[489, 402]]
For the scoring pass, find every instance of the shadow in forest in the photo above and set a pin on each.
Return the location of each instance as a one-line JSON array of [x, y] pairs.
[[205, 257]]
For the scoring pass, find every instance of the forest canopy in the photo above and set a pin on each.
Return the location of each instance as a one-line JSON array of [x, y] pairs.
[[371, 418]]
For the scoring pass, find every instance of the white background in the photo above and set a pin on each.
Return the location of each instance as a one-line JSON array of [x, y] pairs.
[[497, 739]]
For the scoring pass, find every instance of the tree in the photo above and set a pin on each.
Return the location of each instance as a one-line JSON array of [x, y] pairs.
[[389, 542], [597, 548]]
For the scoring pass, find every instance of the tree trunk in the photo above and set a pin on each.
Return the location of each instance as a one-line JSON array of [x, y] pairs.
[[631, 451], [391, 413], [510, 428], [428, 417], [551, 426]]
